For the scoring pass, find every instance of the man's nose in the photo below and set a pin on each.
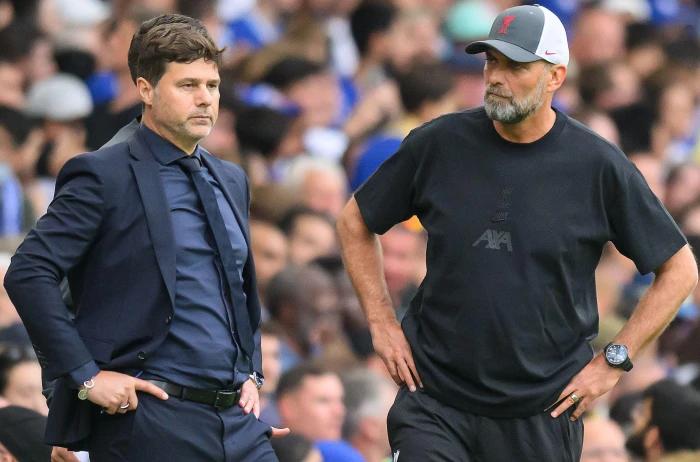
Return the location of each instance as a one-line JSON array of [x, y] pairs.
[[203, 97], [494, 76]]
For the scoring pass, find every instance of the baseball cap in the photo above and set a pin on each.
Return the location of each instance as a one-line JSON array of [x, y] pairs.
[[525, 34], [61, 97]]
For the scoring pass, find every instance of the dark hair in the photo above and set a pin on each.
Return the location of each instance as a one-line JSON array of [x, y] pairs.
[[292, 380], [169, 38], [290, 218], [16, 123], [271, 328], [76, 62], [290, 70], [424, 82], [291, 448], [261, 129], [199, 9], [371, 17], [10, 356], [18, 39], [675, 410]]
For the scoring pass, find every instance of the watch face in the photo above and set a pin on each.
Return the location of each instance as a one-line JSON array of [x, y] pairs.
[[616, 354]]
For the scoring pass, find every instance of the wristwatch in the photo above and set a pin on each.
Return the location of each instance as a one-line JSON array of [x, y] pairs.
[[257, 379], [617, 356]]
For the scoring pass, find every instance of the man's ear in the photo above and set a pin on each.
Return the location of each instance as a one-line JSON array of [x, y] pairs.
[[652, 440], [146, 91], [557, 75]]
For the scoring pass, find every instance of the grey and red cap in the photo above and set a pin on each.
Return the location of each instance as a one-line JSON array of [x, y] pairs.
[[525, 34]]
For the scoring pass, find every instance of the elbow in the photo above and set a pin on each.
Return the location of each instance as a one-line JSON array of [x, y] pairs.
[[687, 270], [692, 275], [11, 280], [350, 221]]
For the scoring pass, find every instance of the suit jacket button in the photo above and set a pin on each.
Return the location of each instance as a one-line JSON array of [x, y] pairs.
[[141, 355], [168, 319]]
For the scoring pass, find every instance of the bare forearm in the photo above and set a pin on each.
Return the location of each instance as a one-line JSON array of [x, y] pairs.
[[675, 279], [363, 260]]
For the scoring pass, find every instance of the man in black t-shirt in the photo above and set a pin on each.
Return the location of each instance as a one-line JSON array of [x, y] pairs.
[[518, 201]]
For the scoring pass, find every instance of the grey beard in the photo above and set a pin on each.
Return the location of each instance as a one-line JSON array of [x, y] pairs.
[[513, 111]]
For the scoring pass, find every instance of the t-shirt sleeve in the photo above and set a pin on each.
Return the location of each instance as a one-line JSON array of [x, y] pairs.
[[642, 228], [387, 197]]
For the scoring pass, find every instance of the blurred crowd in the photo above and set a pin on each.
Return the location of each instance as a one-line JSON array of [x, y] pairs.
[[315, 95]]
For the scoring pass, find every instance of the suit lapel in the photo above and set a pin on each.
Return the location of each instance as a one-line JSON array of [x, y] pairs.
[[160, 228]]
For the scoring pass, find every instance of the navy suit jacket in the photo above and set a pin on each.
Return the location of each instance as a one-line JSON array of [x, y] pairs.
[[109, 230]]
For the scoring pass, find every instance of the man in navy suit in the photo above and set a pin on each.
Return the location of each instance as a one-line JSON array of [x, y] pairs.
[[152, 234]]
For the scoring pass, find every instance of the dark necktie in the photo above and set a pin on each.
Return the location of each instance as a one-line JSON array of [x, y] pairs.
[[207, 197]]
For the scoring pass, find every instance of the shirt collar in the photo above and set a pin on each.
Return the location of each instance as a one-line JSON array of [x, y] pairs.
[[163, 150]]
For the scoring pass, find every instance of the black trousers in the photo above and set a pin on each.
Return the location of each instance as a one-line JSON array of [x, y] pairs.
[[175, 430], [422, 429]]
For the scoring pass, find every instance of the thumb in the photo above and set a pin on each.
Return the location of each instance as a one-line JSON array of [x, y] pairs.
[[280, 432], [148, 387]]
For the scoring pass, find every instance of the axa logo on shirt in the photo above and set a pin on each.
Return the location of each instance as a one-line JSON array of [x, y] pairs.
[[495, 240]]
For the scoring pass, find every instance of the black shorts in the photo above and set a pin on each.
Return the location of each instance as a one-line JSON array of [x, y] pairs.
[[422, 429]]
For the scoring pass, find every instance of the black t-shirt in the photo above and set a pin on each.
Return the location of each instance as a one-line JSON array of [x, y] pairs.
[[505, 314]]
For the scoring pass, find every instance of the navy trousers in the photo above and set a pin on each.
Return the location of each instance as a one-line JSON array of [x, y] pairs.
[[176, 430]]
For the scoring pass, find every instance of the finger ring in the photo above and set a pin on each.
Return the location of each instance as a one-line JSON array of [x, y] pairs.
[[574, 398], [124, 406]]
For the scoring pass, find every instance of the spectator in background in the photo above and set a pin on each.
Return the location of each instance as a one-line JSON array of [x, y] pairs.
[[404, 263], [667, 425], [600, 122], [415, 36], [61, 103], [304, 302], [266, 136], [20, 146], [603, 441], [309, 86], [296, 448], [22, 435], [609, 85], [674, 133], [12, 330], [426, 93], [371, 23], [204, 11], [109, 117], [598, 36], [11, 82], [320, 184], [20, 378], [310, 401], [270, 250], [368, 397], [682, 188], [271, 338], [29, 49], [262, 25], [311, 235]]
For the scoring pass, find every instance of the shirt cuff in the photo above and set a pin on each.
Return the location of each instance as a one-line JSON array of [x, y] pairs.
[[81, 374]]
